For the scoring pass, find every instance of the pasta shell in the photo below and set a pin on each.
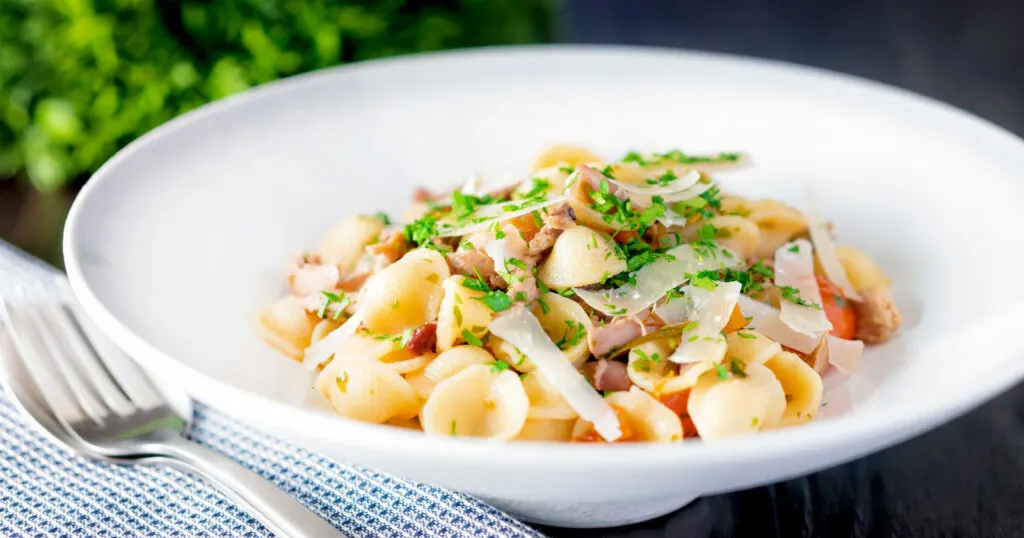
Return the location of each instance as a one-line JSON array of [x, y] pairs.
[[545, 400], [344, 244], [367, 390], [580, 257], [406, 294], [564, 154], [751, 347], [736, 405], [286, 326], [556, 431], [460, 310], [648, 369], [649, 419], [477, 402], [447, 364], [860, 269], [802, 386], [555, 176], [739, 234], [777, 222]]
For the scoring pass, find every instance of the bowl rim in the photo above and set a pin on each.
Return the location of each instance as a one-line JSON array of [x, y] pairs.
[[811, 437]]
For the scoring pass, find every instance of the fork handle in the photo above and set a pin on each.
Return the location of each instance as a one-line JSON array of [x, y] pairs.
[[277, 510]]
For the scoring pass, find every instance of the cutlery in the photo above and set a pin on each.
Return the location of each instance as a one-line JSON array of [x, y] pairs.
[[87, 395]]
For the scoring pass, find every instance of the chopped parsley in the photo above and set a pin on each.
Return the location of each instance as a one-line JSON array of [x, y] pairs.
[[422, 231], [466, 245], [664, 179], [792, 295], [574, 333], [736, 367], [723, 374], [383, 217], [642, 363], [521, 296], [616, 310], [567, 292], [537, 218], [748, 336], [637, 255], [496, 301], [465, 205], [568, 168], [452, 430], [500, 366], [544, 308], [338, 299], [794, 248], [682, 158], [471, 338], [406, 337], [705, 279], [538, 188]]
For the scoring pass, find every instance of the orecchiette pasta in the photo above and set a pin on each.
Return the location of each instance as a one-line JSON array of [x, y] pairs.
[[366, 389], [649, 420], [447, 364], [287, 326], [545, 400], [557, 155], [477, 402], [406, 294], [461, 310], [860, 269], [580, 257], [592, 300], [801, 384], [552, 430], [737, 404], [344, 244]]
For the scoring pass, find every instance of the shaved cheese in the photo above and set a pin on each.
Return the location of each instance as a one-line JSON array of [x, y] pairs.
[[472, 185], [670, 187], [794, 270], [501, 250], [704, 341], [676, 310], [521, 329], [826, 250], [844, 354], [488, 214], [654, 280], [765, 320], [318, 353]]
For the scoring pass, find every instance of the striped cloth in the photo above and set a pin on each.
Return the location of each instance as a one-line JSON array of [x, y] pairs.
[[46, 490]]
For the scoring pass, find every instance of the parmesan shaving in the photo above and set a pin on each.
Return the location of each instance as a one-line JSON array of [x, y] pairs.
[[826, 250], [703, 342], [654, 280], [488, 214], [801, 298], [844, 354], [320, 352], [765, 320], [520, 328]]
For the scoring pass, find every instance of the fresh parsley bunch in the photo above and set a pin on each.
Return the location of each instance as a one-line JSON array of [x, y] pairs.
[[79, 80]]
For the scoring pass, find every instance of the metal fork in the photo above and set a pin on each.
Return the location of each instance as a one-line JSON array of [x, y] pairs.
[[91, 397]]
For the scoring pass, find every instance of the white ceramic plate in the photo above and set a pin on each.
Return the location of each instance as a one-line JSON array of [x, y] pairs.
[[177, 241]]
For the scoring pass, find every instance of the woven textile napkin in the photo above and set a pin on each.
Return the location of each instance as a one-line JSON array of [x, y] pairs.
[[46, 490]]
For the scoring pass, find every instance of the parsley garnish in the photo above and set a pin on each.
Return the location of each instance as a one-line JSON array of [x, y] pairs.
[[748, 336], [723, 374], [466, 245], [471, 338], [496, 300], [794, 248], [499, 366], [792, 295], [736, 367], [422, 231], [544, 308], [333, 298], [615, 310], [383, 217], [538, 189], [574, 333]]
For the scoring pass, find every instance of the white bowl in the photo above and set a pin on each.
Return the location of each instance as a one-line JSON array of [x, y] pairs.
[[177, 241]]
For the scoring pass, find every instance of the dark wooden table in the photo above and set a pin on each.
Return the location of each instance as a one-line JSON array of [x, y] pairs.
[[963, 479]]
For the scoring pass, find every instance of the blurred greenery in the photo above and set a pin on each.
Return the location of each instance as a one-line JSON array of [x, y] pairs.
[[79, 79]]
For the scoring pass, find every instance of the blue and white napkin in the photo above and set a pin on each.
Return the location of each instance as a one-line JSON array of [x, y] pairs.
[[47, 490]]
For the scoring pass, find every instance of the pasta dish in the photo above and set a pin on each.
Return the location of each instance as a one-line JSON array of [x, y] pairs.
[[592, 301]]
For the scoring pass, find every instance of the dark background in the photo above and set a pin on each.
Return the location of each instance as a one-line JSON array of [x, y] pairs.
[[964, 479]]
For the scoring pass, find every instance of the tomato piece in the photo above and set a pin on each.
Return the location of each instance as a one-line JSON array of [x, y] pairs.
[[838, 310], [677, 402]]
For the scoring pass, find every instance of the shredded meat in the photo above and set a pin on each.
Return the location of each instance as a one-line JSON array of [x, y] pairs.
[[607, 375], [471, 262], [353, 283], [306, 275], [556, 222], [527, 286], [594, 177], [391, 247], [423, 339], [877, 316], [615, 335]]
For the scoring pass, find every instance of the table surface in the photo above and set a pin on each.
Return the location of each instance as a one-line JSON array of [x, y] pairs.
[[963, 479]]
